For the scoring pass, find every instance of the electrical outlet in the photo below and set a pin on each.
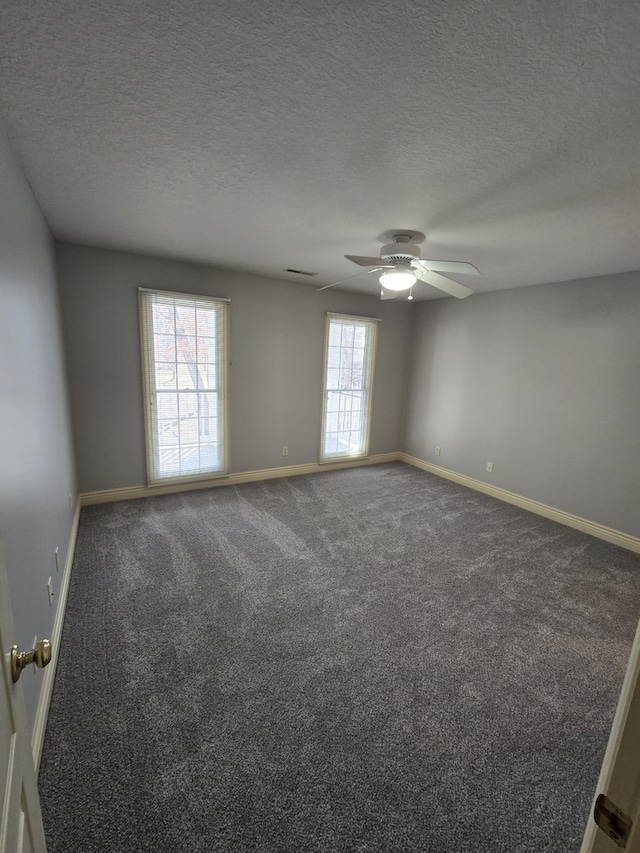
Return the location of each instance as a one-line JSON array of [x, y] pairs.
[[50, 590], [437, 451], [285, 450], [490, 467], [56, 554]]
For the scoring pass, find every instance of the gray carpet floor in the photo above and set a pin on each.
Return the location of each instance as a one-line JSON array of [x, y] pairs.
[[365, 660]]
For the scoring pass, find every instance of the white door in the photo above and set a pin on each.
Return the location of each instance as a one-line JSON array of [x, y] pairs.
[[620, 775], [21, 822]]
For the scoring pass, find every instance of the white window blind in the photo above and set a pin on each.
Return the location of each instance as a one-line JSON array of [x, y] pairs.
[[184, 358], [349, 356]]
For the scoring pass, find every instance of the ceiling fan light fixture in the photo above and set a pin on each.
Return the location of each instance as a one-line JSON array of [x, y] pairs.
[[397, 279]]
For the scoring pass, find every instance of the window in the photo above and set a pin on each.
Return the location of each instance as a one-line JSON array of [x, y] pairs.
[[184, 346], [349, 354]]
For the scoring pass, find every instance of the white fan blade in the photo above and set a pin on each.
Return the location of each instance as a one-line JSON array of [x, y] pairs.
[[388, 294], [355, 275], [453, 288], [455, 267], [367, 262]]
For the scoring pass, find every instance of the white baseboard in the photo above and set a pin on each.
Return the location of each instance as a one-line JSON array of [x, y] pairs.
[[133, 492], [49, 673], [600, 531], [616, 537]]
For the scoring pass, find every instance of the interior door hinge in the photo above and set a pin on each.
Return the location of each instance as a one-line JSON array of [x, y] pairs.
[[612, 820]]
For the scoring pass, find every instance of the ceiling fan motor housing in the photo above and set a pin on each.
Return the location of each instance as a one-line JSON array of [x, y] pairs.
[[402, 250]]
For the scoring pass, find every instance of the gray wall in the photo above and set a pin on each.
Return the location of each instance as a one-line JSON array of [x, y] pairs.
[[542, 381], [35, 453], [276, 362]]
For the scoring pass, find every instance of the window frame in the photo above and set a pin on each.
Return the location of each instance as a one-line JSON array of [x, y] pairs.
[[145, 303], [371, 324]]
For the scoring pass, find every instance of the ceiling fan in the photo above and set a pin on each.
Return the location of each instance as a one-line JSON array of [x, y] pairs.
[[401, 265]]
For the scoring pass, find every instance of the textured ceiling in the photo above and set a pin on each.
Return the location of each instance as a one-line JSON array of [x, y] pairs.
[[263, 136]]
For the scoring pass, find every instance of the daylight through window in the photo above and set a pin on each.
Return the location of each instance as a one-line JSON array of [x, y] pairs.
[[350, 344], [184, 362]]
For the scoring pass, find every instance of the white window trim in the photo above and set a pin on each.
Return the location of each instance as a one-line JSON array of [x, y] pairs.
[[144, 304], [372, 322]]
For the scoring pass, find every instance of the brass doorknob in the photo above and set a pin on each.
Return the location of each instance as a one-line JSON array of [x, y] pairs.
[[40, 655]]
